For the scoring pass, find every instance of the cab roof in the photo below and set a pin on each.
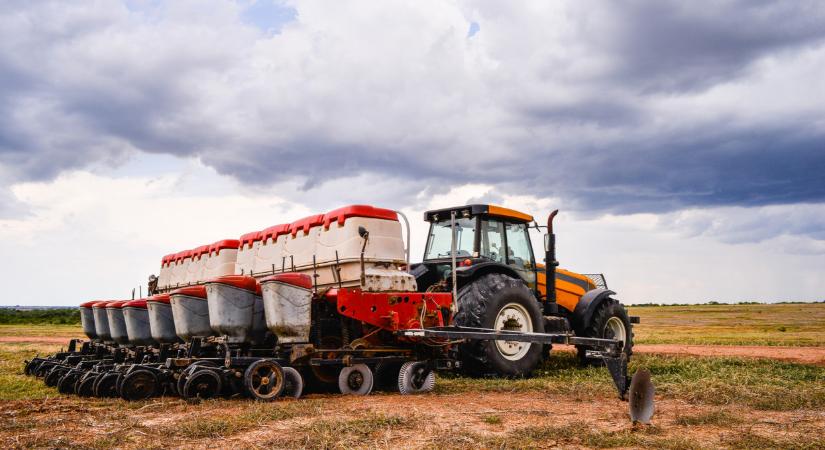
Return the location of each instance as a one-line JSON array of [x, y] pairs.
[[477, 210]]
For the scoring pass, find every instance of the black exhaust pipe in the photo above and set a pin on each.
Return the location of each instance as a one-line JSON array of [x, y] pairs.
[[550, 265]]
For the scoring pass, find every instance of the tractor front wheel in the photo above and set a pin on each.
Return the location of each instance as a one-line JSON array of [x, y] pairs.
[[502, 303], [610, 321]]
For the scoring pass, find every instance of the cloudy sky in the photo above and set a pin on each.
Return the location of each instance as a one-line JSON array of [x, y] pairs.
[[684, 142]]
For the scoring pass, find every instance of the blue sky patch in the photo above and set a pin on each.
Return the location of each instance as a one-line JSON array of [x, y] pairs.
[[269, 15], [474, 28]]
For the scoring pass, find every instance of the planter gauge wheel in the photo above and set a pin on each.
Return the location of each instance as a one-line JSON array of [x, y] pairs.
[[264, 380], [356, 380]]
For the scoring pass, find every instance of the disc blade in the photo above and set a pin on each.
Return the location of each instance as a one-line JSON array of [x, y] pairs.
[[641, 394]]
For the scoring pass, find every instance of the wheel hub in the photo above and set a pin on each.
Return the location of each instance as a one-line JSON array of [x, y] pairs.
[[355, 380], [615, 329], [513, 317]]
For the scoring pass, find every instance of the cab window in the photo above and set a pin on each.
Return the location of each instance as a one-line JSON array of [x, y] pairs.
[[492, 240], [439, 243], [519, 253]]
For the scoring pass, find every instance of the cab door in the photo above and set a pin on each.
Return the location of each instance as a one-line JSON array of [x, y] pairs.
[[519, 254]]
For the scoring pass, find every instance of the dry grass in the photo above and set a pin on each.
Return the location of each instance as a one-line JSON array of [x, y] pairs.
[[787, 325], [38, 331]]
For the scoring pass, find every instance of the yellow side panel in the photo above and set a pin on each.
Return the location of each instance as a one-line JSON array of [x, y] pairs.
[[568, 293]]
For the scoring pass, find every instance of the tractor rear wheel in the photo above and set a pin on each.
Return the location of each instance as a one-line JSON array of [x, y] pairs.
[[502, 303], [610, 321]]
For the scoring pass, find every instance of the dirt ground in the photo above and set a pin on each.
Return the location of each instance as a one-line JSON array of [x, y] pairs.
[[512, 420]]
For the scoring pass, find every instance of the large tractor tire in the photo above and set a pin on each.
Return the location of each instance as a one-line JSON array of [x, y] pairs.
[[610, 321], [503, 303]]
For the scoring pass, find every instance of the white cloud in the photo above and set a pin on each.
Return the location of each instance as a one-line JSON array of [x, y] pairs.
[[100, 234]]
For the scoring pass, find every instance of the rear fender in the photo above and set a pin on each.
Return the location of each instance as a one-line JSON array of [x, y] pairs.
[[466, 274], [587, 306]]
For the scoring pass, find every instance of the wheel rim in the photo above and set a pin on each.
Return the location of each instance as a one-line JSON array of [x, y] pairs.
[[513, 317], [615, 329], [265, 380], [356, 380]]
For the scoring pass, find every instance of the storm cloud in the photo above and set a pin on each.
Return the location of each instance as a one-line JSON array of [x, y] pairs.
[[618, 107]]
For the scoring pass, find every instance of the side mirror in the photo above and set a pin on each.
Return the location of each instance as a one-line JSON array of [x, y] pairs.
[[363, 232]]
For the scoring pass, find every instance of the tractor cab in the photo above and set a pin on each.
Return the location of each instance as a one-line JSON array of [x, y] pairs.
[[485, 236], [489, 239]]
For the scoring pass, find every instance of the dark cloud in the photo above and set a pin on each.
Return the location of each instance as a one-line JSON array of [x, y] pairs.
[[673, 45], [705, 167], [598, 115]]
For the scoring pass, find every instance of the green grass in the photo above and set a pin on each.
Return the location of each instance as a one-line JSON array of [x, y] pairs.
[[13, 384], [762, 384], [782, 324], [63, 316]]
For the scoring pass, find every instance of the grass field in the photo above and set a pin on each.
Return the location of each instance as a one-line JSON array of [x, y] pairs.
[[701, 403], [791, 324]]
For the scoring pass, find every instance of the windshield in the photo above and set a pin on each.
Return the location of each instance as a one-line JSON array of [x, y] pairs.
[[439, 241]]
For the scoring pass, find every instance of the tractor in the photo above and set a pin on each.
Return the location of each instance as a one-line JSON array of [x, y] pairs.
[[484, 253]]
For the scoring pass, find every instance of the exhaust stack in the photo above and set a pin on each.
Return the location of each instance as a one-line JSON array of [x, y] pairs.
[[550, 262]]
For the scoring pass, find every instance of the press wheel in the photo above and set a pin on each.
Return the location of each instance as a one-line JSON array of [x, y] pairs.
[[415, 378], [140, 384], [105, 385], [85, 385], [66, 383], [204, 383]]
